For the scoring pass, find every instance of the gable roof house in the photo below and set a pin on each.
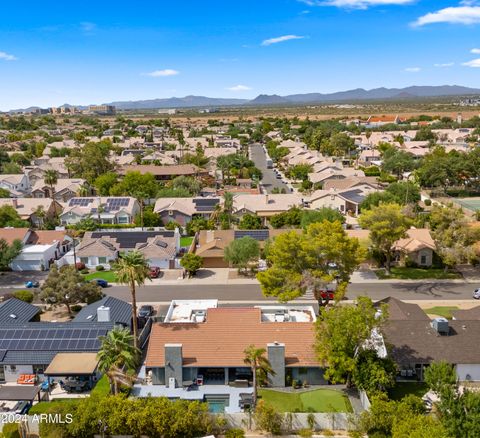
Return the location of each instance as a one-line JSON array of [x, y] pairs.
[[418, 246], [65, 189], [17, 184], [182, 210], [105, 210], [27, 208], [28, 346], [414, 341]]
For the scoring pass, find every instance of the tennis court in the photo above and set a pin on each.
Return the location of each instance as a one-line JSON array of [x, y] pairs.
[[472, 204]]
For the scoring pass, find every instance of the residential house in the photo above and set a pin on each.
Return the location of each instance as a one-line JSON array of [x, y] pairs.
[[266, 205], [415, 341], [103, 247], [28, 347], [165, 173], [34, 210], [17, 184], [105, 210], [185, 349], [183, 210], [377, 121], [64, 190], [417, 247]]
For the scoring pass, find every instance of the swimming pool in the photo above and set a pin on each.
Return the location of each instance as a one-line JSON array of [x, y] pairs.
[[217, 403]]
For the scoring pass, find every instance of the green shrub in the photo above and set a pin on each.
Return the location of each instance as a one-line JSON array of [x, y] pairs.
[[427, 202], [305, 433], [24, 295], [84, 271], [267, 418], [100, 268], [76, 308], [10, 430], [235, 433]]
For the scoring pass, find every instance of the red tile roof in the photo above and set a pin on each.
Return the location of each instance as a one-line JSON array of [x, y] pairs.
[[222, 339]]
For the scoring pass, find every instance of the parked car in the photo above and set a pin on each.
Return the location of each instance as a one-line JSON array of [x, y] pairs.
[[476, 294], [32, 283], [145, 311], [100, 282], [154, 272]]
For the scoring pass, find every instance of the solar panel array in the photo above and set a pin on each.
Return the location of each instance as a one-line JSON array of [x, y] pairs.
[[28, 338], [129, 239], [80, 202], [206, 204], [260, 235], [117, 203]]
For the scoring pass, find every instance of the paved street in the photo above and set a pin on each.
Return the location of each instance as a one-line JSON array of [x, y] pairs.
[[269, 180], [251, 292]]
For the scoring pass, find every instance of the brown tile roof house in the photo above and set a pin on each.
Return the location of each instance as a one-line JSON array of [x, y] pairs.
[[165, 172], [158, 247], [26, 207], [222, 339], [350, 182], [417, 238], [266, 205], [104, 247], [414, 342]]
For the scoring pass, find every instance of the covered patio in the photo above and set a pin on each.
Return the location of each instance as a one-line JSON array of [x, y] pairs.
[[74, 372], [12, 395]]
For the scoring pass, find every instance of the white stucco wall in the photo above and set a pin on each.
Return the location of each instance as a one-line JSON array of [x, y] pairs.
[[472, 370], [12, 376]]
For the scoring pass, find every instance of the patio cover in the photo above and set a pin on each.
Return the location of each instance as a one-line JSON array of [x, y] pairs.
[[67, 364], [18, 393]]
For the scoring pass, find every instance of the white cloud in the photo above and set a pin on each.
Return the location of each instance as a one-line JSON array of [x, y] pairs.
[[475, 51], [444, 65], [239, 88], [475, 63], [412, 69], [453, 15], [88, 27], [281, 39], [355, 4], [162, 73], [7, 57]]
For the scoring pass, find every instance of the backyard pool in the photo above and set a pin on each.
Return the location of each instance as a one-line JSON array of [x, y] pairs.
[[217, 403]]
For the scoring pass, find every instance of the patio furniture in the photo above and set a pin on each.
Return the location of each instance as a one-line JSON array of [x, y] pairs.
[[26, 379], [187, 383]]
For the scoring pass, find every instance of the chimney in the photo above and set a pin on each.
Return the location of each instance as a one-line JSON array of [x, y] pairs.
[[276, 356], [15, 203], [103, 314], [266, 198], [173, 365]]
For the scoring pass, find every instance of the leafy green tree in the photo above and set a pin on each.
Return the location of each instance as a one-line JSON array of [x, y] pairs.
[[66, 286], [11, 169], [397, 161], [86, 224], [197, 224], [300, 171], [132, 270], [133, 183], [440, 376], [104, 183], [341, 332], [150, 218], [241, 252], [117, 356], [340, 144], [320, 255], [424, 133], [91, 161], [191, 263], [250, 222], [387, 224], [373, 373], [9, 252], [4, 193], [320, 215], [259, 364]]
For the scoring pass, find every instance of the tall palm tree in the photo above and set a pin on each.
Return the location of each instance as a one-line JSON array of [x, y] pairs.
[[117, 357], [132, 270], [50, 177], [228, 205], [259, 364]]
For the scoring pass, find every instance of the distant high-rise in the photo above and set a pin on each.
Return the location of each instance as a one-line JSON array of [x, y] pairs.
[[105, 110]]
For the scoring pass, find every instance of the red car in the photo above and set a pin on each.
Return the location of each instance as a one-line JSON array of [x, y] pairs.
[[327, 294], [154, 272]]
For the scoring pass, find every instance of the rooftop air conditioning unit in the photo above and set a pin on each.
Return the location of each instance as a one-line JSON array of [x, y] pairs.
[[440, 325]]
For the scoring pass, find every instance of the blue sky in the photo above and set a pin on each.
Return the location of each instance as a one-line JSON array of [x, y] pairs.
[[53, 52]]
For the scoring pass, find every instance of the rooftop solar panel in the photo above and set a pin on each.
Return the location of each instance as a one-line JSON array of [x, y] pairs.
[[260, 235]]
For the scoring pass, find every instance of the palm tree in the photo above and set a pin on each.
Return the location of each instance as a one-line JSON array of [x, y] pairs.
[[50, 177], [117, 357], [132, 270], [259, 364], [228, 205]]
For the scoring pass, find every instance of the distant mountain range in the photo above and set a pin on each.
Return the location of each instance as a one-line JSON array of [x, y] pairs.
[[358, 94]]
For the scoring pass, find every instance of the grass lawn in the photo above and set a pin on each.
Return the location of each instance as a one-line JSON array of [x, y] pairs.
[[186, 241], [402, 389], [445, 311], [402, 273], [104, 275], [318, 400]]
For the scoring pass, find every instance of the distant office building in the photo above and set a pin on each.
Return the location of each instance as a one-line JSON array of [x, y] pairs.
[[63, 110], [102, 109], [169, 111]]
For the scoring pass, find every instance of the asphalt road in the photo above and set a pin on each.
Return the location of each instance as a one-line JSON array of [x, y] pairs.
[[269, 180], [251, 292]]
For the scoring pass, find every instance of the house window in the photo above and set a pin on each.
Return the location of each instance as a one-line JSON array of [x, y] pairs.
[[170, 212], [123, 220], [84, 260], [102, 260], [423, 260]]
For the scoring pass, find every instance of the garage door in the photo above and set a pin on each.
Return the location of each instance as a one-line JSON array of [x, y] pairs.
[[26, 265], [214, 262]]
